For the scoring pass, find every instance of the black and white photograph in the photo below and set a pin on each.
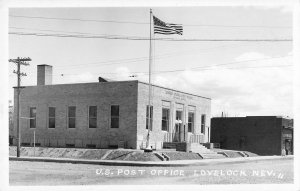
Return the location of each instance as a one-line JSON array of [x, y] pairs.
[[150, 95]]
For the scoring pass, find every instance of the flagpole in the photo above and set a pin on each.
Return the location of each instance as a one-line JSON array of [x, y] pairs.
[[148, 147]]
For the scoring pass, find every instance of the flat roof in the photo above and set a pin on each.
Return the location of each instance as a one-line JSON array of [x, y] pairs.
[[275, 116], [44, 65], [175, 90], [135, 81]]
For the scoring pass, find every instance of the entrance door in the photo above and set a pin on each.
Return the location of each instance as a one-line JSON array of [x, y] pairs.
[[178, 120], [178, 124], [288, 147]]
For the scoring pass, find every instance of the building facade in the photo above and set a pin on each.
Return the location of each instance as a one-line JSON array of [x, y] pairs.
[[10, 123], [263, 135], [109, 114]]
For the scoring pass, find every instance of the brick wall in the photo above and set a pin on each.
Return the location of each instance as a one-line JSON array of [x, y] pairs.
[[261, 135], [102, 95], [131, 96], [203, 106]]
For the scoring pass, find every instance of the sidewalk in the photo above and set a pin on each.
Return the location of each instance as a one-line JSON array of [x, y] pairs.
[[177, 163]]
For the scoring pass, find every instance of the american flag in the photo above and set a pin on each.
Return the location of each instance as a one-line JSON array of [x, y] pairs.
[[161, 27]]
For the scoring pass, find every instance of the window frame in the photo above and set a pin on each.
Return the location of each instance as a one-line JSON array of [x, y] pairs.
[[203, 123], [167, 119], [178, 125], [51, 117], [92, 117], [30, 118], [114, 117], [191, 122], [71, 117]]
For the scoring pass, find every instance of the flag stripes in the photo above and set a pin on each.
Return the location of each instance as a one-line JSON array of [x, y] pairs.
[[161, 27]]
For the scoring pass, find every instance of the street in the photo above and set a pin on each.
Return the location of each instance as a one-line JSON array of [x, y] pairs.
[[48, 173]]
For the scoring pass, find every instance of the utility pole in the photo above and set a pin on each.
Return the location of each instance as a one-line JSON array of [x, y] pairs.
[[19, 61]]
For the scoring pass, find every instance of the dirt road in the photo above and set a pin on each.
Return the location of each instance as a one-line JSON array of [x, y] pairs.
[[48, 173]]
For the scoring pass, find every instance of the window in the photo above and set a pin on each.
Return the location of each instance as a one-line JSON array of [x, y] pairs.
[[114, 114], [92, 116], [178, 121], [203, 121], [32, 117], [178, 115], [191, 117], [72, 116], [165, 119], [70, 145], [25, 144], [149, 117], [90, 146], [51, 117]]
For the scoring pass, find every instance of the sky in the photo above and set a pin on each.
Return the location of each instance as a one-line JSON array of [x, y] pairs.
[[241, 78]]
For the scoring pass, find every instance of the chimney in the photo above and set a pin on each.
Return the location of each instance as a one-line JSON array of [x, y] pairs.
[[44, 74]]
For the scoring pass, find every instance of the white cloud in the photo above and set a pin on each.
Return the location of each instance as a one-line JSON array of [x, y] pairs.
[[239, 92], [162, 81], [284, 9], [123, 73], [252, 91], [287, 9], [83, 77]]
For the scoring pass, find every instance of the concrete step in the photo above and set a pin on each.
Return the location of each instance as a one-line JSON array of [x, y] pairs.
[[211, 156], [198, 148], [169, 145], [197, 145], [203, 151]]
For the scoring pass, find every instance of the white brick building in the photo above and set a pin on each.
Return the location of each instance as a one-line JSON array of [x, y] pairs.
[[108, 114]]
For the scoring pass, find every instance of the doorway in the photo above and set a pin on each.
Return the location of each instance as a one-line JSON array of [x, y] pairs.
[[178, 121]]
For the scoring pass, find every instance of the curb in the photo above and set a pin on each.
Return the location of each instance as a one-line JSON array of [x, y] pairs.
[[203, 162]]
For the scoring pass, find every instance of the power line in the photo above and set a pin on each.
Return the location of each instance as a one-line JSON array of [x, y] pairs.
[[222, 64], [146, 23], [82, 20], [19, 61], [146, 38], [244, 61], [70, 32], [161, 56], [141, 59], [209, 67], [172, 71], [240, 26], [203, 69], [166, 55], [112, 62], [80, 36]]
